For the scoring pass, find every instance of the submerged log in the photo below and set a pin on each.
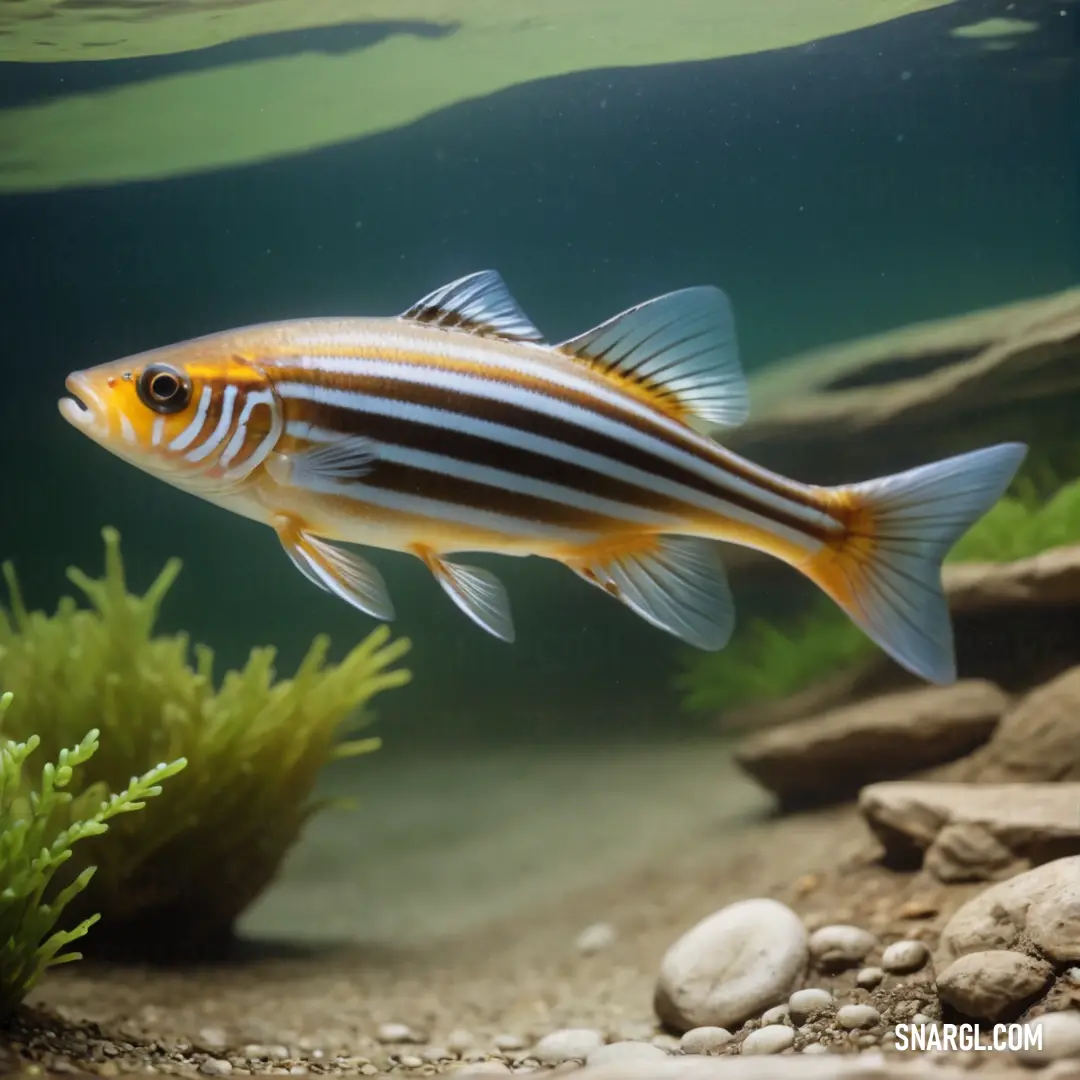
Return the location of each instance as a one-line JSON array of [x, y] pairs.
[[884, 403]]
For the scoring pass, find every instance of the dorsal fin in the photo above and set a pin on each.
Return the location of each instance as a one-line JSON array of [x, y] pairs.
[[679, 350], [479, 303]]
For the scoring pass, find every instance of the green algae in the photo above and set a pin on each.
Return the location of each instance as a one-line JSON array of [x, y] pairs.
[[243, 112], [255, 745]]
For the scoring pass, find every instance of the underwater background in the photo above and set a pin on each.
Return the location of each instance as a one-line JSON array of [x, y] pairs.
[[834, 189], [889, 193], [908, 162]]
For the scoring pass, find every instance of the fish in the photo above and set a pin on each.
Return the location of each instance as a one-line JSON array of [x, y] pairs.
[[457, 427]]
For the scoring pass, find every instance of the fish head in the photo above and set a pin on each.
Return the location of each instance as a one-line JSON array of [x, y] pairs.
[[194, 414]]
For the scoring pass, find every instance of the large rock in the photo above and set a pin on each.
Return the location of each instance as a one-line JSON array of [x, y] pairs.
[[731, 966], [832, 756], [974, 832], [992, 985], [1051, 579], [1038, 739], [1039, 909]]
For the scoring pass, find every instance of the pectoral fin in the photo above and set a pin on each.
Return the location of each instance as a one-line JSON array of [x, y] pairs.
[[336, 462], [343, 573], [677, 583], [477, 592]]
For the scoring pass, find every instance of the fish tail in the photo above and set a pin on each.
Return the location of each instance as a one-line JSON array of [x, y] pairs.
[[885, 571]]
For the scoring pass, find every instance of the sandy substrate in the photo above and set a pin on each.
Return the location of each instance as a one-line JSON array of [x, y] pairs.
[[441, 847], [312, 94], [453, 899]]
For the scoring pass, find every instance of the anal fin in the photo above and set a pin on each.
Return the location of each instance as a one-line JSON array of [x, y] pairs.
[[477, 592], [677, 583], [344, 573]]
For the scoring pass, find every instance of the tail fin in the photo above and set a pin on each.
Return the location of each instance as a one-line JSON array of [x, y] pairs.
[[886, 572]]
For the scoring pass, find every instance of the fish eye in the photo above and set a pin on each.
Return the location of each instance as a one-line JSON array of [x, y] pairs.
[[164, 389]]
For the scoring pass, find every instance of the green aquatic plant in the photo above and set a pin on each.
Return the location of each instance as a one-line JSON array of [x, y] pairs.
[[1023, 524], [40, 823], [766, 662], [184, 869]]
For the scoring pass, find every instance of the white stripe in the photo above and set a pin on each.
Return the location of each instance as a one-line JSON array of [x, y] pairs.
[[158, 431], [269, 441], [437, 510], [127, 429], [508, 436], [555, 406], [191, 432], [260, 397], [534, 362], [522, 485], [219, 433]]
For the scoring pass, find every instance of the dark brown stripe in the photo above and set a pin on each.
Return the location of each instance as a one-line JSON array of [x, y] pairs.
[[210, 422], [478, 449], [710, 453], [259, 423], [423, 483]]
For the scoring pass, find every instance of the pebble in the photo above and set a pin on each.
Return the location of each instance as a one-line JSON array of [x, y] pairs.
[[667, 1043], [731, 966], [902, 957], [410, 1061], [214, 1037], [776, 1015], [851, 1017], [395, 1033], [805, 1003], [815, 1048], [869, 977], [922, 1018], [841, 946], [917, 908], [771, 1039], [459, 1040], [705, 1040], [568, 1044], [596, 938], [1060, 1038], [509, 1042], [990, 985], [216, 1067], [431, 1055], [628, 1050]]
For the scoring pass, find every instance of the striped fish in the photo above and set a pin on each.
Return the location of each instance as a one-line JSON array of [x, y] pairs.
[[454, 427]]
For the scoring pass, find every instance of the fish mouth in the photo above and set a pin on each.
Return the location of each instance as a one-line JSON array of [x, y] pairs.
[[84, 408]]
